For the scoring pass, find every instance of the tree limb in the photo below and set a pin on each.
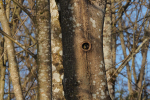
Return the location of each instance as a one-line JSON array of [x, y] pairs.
[[25, 10], [127, 59], [15, 41]]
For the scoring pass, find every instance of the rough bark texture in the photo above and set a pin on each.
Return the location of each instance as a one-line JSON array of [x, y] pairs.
[[56, 41], [107, 48], [113, 33], [11, 55], [2, 69], [84, 70], [44, 50]]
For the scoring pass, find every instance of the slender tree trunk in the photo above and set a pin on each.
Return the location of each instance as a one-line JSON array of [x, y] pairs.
[[142, 71], [84, 69], [56, 40], [113, 37], [44, 50], [127, 65], [125, 55], [9, 86], [107, 48], [113, 33], [2, 69], [11, 55], [3, 59]]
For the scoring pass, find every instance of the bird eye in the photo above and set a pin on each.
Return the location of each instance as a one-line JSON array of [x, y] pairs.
[[86, 46]]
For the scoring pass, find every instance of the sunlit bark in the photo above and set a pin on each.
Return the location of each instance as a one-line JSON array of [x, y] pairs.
[[56, 38], [142, 71], [11, 55], [2, 69], [84, 69], [107, 48], [44, 50], [113, 34], [3, 57], [127, 65]]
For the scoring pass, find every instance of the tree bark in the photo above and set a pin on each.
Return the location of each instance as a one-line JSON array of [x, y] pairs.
[[44, 50], [56, 40], [113, 33], [2, 69], [11, 55], [142, 70], [107, 48], [84, 69]]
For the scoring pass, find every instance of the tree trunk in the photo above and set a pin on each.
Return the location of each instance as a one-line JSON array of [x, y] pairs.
[[11, 55], [142, 70], [43, 50], [113, 33], [56, 40], [84, 69], [2, 69], [107, 48], [127, 65]]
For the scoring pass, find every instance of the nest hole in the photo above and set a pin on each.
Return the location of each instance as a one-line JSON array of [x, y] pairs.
[[86, 46]]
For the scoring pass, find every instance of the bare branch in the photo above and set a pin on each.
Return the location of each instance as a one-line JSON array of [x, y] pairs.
[[25, 10], [127, 59], [15, 41]]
